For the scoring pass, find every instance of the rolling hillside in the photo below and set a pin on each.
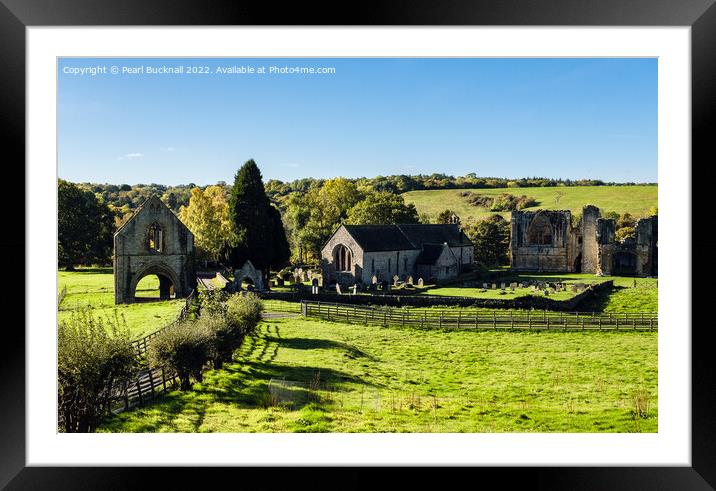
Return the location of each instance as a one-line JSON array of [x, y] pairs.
[[636, 200]]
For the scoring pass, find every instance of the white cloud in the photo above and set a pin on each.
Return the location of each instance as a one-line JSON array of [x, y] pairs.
[[135, 155], [290, 164], [167, 149]]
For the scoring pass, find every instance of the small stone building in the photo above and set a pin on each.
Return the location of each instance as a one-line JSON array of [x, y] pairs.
[[153, 242], [547, 240], [356, 253]]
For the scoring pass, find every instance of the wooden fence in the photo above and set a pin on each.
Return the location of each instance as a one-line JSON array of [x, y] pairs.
[[148, 382], [140, 345], [461, 319]]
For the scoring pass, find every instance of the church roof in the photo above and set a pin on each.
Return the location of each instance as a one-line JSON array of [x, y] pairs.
[[400, 237], [373, 238], [419, 234]]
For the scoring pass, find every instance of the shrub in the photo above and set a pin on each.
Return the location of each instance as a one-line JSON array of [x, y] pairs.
[[223, 338], [93, 355], [244, 312], [185, 347]]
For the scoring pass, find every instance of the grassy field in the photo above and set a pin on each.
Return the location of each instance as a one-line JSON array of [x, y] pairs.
[[94, 287], [636, 200], [371, 379]]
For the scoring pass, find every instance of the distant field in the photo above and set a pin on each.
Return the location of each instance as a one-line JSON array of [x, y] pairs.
[[636, 200], [347, 378], [94, 287]]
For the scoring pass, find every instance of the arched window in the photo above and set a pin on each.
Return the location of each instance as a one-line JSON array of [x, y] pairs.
[[155, 238], [540, 231], [342, 258]]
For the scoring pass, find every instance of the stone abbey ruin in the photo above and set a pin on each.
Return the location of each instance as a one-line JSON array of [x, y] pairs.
[[548, 241], [153, 241]]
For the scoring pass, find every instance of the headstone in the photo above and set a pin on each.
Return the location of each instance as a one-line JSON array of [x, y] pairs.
[[494, 286], [358, 287], [546, 293], [502, 286], [355, 289], [484, 286], [513, 286], [396, 279], [410, 280], [420, 282], [574, 289], [279, 281], [338, 288], [374, 280]]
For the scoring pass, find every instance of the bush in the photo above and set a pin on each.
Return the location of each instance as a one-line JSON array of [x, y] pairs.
[[223, 338], [185, 347], [244, 312], [93, 355]]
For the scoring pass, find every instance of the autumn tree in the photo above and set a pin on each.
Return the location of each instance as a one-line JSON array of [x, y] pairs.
[[207, 216]]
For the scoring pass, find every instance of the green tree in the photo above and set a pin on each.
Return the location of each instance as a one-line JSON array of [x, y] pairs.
[[382, 208], [446, 216], [258, 234], [85, 227], [491, 237]]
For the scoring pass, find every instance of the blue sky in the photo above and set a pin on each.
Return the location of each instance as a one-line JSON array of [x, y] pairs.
[[570, 118]]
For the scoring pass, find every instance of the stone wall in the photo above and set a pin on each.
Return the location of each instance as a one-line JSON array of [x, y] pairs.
[[527, 256], [328, 270], [134, 259], [590, 248], [646, 246]]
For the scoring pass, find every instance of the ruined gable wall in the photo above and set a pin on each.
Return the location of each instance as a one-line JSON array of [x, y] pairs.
[[606, 246], [132, 256], [531, 257]]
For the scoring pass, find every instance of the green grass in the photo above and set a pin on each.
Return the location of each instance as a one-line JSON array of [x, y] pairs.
[[94, 288], [636, 200], [374, 379]]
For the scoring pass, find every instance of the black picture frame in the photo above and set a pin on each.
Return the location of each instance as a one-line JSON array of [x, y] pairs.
[[16, 15]]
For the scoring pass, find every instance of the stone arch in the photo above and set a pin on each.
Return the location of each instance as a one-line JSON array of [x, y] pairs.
[[624, 263], [540, 230], [167, 280], [343, 258]]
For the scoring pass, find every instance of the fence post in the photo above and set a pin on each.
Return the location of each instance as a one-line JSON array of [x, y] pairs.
[[441, 320], [151, 382], [164, 379], [126, 395], [477, 317], [139, 389]]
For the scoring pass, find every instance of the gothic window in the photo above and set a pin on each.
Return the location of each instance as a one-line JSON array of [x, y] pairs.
[[342, 258], [155, 238], [540, 231]]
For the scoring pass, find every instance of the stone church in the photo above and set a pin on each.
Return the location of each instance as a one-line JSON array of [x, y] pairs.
[[548, 241], [355, 253], [153, 242]]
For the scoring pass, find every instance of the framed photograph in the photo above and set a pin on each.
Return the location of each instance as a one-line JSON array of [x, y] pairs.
[[427, 238]]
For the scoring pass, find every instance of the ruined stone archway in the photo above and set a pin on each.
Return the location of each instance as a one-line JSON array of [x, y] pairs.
[[250, 274], [153, 241], [168, 281]]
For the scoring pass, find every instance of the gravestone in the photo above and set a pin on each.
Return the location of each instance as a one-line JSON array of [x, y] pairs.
[[410, 280], [338, 288], [513, 286], [502, 286], [396, 279], [484, 286], [374, 280], [355, 289], [279, 281], [420, 282], [546, 293], [494, 286]]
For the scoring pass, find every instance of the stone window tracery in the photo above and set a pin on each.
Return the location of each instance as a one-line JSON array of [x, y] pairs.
[[540, 231], [155, 238], [343, 258]]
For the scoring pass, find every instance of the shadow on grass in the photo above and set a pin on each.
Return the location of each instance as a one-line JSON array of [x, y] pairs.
[[243, 383], [107, 270], [309, 343], [598, 301]]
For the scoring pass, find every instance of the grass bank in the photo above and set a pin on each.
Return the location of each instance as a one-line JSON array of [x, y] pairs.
[[301, 375]]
